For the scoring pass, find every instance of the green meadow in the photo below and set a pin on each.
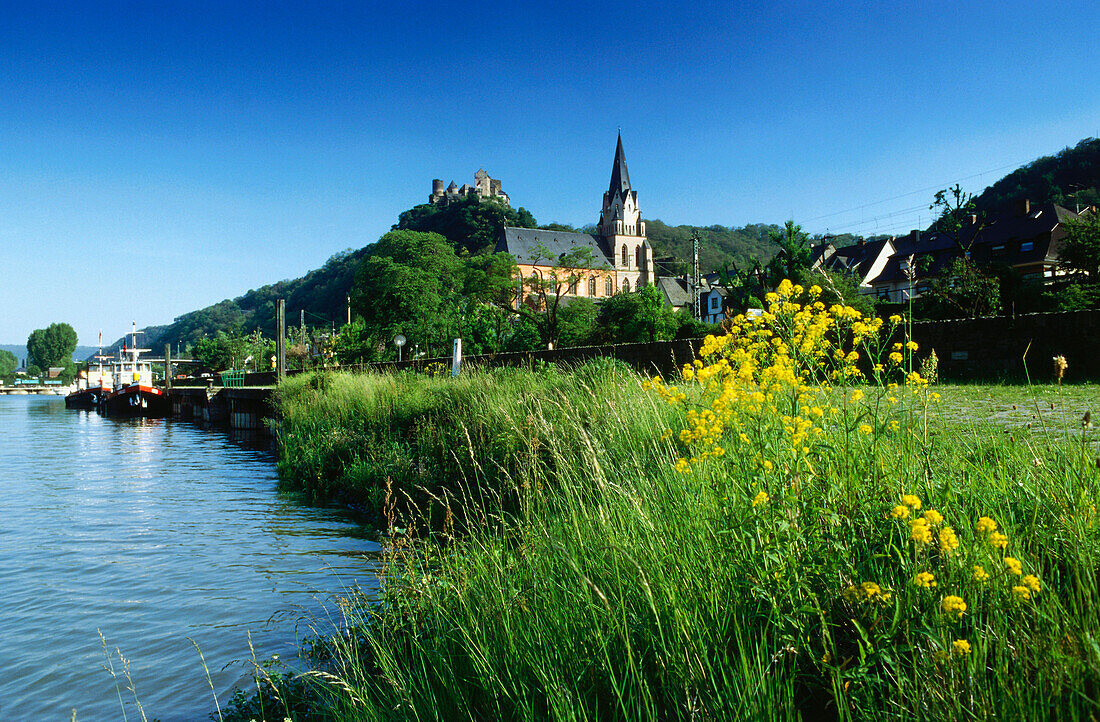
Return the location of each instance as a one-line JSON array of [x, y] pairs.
[[544, 558]]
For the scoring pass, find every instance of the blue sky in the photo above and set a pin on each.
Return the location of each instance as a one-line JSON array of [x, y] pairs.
[[159, 157]]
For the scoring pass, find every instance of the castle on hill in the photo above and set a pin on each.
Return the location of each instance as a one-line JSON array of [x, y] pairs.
[[483, 187]]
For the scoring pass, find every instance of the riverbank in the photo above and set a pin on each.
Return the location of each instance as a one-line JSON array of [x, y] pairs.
[[548, 556], [799, 526]]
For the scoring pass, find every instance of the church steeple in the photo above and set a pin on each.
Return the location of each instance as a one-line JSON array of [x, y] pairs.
[[620, 179], [620, 215]]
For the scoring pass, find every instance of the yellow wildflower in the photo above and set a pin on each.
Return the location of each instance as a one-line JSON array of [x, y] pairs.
[[925, 580], [911, 345], [856, 396], [1022, 594], [766, 464], [980, 574], [683, 466], [934, 517], [998, 540], [895, 357], [985, 525], [953, 605], [899, 512], [949, 542], [760, 498], [919, 532], [895, 319], [1031, 582], [960, 647], [865, 429], [1013, 566], [911, 500]]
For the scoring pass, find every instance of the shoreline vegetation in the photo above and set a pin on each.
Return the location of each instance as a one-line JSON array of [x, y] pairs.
[[801, 526]]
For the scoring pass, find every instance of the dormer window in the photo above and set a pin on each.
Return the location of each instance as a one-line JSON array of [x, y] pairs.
[[1027, 246], [998, 250]]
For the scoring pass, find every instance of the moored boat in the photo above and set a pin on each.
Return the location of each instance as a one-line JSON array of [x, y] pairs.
[[133, 393], [92, 384]]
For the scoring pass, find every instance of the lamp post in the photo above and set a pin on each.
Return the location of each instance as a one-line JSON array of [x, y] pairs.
[[399, 342]]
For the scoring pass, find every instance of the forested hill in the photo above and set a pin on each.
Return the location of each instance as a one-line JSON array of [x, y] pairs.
[[718, 245], [321, 294], [1069, 178]]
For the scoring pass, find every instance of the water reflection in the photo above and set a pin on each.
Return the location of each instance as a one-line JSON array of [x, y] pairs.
[[152, 531]]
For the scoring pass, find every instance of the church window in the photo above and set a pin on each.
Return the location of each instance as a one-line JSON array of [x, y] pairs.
[[608, 287], [624, 256], [638, 257], [591, 285], [626, 285], [572, 285]]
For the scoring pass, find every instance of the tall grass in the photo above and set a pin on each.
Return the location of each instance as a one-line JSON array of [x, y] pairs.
[[546, 558]]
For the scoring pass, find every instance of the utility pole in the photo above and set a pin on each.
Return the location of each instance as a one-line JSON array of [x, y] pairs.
[[349, 310], [302, 321], [280, 341], [167, 365], [696, 283]]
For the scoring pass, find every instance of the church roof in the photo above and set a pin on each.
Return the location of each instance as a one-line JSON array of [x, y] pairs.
[[620, 179], [523, 244]]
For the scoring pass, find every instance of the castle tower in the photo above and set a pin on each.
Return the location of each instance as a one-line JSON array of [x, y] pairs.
[[622, 226]]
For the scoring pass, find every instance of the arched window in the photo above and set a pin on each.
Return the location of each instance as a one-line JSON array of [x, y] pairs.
[[608, 287], [591, 285], [572, 285], [638, 257], [624, 256], [626, 285]]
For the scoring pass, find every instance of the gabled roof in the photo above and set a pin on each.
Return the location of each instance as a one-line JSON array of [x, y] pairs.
[[523, 244], [620, 179], [857, 259]]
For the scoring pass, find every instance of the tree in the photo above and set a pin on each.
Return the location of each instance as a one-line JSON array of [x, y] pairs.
[[51, 346], [8, 362], [547, 287], [793, 257], [1080, 251], [410, 283], [636, 317], [957, 217], [963, 291]]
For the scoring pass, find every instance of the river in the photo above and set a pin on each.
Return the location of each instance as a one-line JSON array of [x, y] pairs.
[[153, 533]]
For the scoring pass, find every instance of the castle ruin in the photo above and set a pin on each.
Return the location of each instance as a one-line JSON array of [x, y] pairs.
[[483, 187]]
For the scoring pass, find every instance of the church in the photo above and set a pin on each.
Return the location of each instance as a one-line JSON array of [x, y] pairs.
[[623, 256]]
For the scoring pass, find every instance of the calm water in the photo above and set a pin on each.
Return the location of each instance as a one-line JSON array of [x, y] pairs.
[[152, 532]]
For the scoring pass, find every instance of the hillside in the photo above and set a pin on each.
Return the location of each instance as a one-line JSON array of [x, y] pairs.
[[321, 294], [1069, 178], [718, 245]]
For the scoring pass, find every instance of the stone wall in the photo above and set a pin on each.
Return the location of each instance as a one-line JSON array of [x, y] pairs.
[[994, 347]]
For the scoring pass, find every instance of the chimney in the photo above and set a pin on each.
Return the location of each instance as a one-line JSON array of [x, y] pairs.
[[1023, 206], [914, 235]]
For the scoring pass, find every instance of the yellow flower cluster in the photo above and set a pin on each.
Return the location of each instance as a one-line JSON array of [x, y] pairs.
[[953, 606], [760, 498], [866, 592], [926, 580]]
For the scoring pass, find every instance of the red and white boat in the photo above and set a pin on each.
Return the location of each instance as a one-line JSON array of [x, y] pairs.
[[92, 385], [133, 393]]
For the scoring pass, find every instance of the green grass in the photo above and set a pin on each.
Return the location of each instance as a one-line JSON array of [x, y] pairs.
[[545, 560]]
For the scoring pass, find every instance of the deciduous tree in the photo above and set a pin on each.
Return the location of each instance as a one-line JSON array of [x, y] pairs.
[[51, 346]]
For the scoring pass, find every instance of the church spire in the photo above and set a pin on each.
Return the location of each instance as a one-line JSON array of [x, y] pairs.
[[620, 179]]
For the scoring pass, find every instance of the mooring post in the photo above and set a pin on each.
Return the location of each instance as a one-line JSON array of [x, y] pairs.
[[167, 365], [280, 341]]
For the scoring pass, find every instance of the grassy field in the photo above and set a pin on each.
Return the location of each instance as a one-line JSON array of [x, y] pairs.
[[591, 545]]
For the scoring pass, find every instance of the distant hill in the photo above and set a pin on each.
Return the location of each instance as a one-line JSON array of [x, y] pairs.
[[1069, 178], [718, 245], [321, 294], [20, 351], [468, 224]]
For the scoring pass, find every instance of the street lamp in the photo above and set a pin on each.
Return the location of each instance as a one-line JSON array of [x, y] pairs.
[[399, 341]]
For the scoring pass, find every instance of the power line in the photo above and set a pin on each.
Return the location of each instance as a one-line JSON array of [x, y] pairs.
[[911, 193]]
